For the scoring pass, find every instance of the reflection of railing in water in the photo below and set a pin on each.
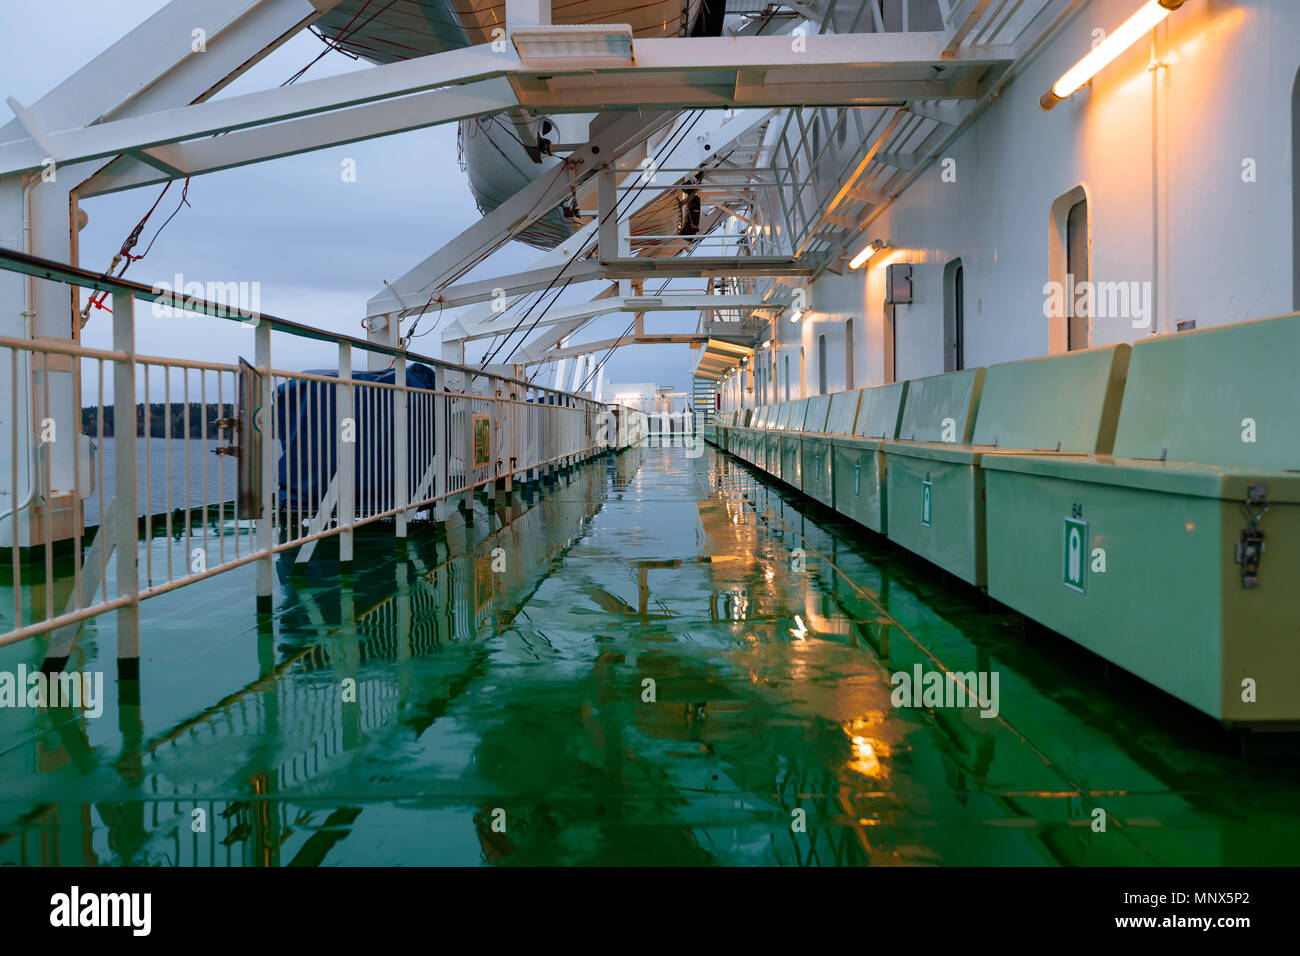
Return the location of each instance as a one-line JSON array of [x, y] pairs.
[[471, 430], [432, 603]]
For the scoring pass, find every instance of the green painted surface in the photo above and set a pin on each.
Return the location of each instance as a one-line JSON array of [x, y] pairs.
[[843, 412], [1067, 403], [1156, 610], [880, 411], [1062, 402], [1220, 407], [791, 471], [1200, 395], [814, 420], [815, 469], [523, 691], [771, 462], [860, 482], [798, 412], [954, 537], [941, 407]]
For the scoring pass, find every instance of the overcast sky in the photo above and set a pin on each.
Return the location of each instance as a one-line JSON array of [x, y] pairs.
[[318, 246]]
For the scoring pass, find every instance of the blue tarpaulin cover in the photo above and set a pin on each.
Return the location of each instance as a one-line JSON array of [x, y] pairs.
[[309, 435]]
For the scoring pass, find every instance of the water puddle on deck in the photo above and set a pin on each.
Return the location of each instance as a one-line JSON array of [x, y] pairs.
[[657, 660]]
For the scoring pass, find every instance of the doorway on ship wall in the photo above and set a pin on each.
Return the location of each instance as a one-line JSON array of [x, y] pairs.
[[1077, 266], [1295, 193], [1069, 263], [848, 355], [821, 364], [954, 316]]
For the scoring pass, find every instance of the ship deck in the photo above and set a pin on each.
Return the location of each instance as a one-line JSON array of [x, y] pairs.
[[681, 657]]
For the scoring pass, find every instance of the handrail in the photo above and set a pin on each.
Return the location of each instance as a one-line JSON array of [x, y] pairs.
[[54, 271]]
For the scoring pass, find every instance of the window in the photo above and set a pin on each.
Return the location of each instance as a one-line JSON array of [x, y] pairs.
[[1076, 265], [787, 378], [954, 316], [848, 354], [803, 374]]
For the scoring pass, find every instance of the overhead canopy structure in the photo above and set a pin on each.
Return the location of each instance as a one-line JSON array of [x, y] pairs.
[[742, 132], [720, 356]]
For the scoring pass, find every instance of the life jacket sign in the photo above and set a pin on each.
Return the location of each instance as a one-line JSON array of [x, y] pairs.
[[1074, 568]]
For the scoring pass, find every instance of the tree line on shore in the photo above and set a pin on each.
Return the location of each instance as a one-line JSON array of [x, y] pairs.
[[164, 421]]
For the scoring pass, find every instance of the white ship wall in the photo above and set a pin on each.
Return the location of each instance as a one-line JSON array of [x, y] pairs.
[[1220, 252]]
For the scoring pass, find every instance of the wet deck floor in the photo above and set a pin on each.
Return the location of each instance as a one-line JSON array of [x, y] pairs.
[[501, 716]]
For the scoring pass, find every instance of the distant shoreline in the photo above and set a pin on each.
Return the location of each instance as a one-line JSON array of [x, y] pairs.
[[163, 421]]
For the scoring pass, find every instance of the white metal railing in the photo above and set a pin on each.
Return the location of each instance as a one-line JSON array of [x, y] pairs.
[[132, 507]]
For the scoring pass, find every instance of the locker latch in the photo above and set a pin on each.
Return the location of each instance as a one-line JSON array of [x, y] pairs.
[[1251, 546]]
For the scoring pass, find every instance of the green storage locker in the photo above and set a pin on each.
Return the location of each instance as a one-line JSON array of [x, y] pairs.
[[754, 440], [1063, 404], [1135, 556], [814, 451], [790, 437], [772, 445], [743, 437], [759, 452], [738, 432], [726, 430], [932, 478], [858, 464]]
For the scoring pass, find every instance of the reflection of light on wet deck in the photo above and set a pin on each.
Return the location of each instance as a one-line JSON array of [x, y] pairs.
[[866, 752]]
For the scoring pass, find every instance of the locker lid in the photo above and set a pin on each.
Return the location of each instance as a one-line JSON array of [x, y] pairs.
[[931, 403]]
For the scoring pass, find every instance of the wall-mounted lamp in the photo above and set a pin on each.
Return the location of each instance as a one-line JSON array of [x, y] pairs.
[[796, 315], [871, 249], [1128, 33], [767, 344]]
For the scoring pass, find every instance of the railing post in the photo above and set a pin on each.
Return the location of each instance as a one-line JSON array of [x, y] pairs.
[[401, 480], [263, 423], [441, 445], [345, 440], [125, 532], [512, 451], [467, 499]]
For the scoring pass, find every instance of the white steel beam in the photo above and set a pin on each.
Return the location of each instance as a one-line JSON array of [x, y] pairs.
[[265, 106], [853, 69], [961, 20], [156, 66], [302, 135], [712, 136], [516, 283], [679, 302], [600, 345], [514, 215]]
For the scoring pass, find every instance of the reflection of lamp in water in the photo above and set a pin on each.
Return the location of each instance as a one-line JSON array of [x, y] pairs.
[[801, 631], [866, 759]]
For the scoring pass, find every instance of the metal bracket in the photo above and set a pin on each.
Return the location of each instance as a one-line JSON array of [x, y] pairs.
[[1250, 547], [221, 425]]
